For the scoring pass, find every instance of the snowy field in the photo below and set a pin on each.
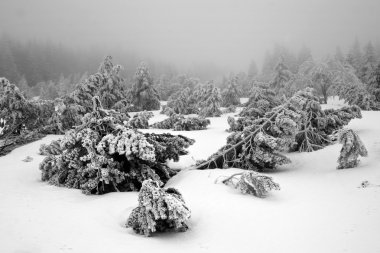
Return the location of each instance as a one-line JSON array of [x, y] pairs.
[[318, 209]]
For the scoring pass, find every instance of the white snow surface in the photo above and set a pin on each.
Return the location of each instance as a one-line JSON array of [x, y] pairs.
[[318, 209]]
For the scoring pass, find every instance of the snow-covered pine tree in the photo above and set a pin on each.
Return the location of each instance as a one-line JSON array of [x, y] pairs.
[[297, 125], [258, 147], [230, 96], [140, 120], [159, 210], [282, 75], [143, 95], [261, 100], [210, 102], [368, 63], [351, 149], [182, 102], [373, 84], [250, 182], [178, 122], [103, 155]]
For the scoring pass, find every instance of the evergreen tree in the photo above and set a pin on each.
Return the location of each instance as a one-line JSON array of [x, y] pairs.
[[250, 182], [230, 96], [304, 55], [209, 102], [339, 55], [281, 76], [104, 155], [351, 149], [252, 70], [159, 210], [374, 83], [143, 95], [368, 63], [354, 57]]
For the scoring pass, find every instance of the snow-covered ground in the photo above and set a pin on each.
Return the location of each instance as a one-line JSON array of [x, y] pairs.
[[318, 209]]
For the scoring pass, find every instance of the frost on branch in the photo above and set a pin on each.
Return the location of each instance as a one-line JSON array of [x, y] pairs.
[[352, 148], [159, 210], [253, 183]]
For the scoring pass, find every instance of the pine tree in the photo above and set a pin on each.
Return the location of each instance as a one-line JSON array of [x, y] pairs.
[[104, 155], [259, 144], [304, 55], [374, 83], [352, 148], [281, 76], [368, 63], [230, 96], [339, 55], [354, 57], [159, 210], [143, 95], [252, 70], [250, 182], [210, 102]]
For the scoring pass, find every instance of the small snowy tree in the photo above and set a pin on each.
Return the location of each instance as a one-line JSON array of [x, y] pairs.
[[159, 210], [143, 95], [210, 102], [352, 148], [103, 155], [253, 183], [230, 96]]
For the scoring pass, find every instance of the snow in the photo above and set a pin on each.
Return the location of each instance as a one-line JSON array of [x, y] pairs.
[[318, 209]]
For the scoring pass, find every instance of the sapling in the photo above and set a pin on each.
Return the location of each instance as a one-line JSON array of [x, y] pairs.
[[159, 210], [250, 182], [352, 148]]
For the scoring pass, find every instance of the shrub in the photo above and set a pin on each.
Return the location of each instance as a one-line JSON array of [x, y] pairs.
[[253, 183], [159, 210], [102, 155], [351, 149]]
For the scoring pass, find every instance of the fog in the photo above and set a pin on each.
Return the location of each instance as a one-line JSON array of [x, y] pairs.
[[185, 33]]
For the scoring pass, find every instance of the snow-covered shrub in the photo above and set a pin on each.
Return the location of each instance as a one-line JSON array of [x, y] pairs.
[[253, 183], [169, 122], [261, 100], [191, 123], [102, 155], [352, 148], [54, 148], [229, 109], [181, 102], [140, 120], [159, 210], [178, 122], [168, 111]]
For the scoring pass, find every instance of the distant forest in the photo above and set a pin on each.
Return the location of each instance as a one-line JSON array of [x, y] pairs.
[[50, 70]]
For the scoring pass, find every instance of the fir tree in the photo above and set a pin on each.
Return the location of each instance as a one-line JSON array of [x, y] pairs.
[[103, 155], [253, 183], [368, 63], [159, 210], [352, 148], [374, 83], [281, 76], [230, 96], [143, 95], [210, 102]]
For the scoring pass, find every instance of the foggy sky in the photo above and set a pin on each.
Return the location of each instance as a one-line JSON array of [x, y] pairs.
[[227, 32]]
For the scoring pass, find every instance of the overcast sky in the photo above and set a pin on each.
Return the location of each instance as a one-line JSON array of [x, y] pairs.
[[227, 32]]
